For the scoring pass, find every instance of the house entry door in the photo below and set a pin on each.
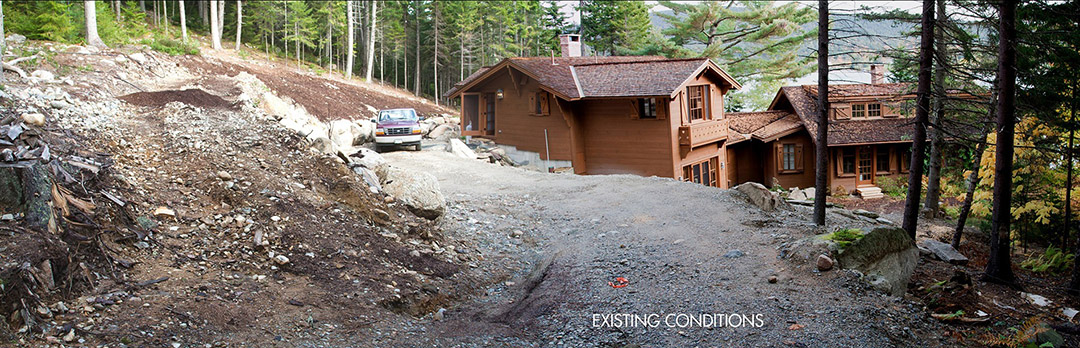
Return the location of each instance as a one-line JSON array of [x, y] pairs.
[[489, 113], [865, 166]]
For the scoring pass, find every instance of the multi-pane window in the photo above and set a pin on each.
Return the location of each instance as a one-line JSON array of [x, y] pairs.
[[697, 98], [847, 161], [789, 157], [883, 164], [873, 110], [702, 172], [858, 110], [647, 108]]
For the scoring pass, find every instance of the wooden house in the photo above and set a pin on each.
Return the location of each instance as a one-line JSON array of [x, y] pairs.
[[648, 116]]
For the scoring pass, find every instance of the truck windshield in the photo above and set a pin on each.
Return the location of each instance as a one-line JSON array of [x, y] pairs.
[[397, 115]]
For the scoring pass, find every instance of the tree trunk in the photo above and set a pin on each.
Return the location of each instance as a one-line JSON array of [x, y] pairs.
[[142, 5], [821, 149], [973, 177], [933, 182], [435, 54], [203, 5], [1069, 177], [3, 41], [405, 49], [92, 37], [918, 148], [239, 22], [183, 22], [371, 43], [350, 19], [416, 76], [165, 15], [215, 37], [999, 264]]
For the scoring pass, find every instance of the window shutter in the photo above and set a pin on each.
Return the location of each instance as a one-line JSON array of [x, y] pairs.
[[779, 149], [842, 111], [662, 108], [532, 103], [634, 113], [799, 157], [544, 103]]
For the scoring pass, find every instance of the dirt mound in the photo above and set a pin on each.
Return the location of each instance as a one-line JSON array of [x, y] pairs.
[[324, 98], [193, 97]]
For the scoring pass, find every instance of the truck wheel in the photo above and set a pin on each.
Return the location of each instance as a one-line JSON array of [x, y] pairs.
[[378, 148], [416, 147]]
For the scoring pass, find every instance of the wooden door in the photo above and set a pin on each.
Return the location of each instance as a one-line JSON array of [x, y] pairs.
[[471, 123], [489, 114], [864, 166]]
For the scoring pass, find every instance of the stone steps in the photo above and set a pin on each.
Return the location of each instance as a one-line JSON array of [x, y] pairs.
[[869, 192]]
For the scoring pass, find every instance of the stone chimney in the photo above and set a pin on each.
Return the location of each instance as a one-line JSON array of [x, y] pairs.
[[877, 74], [570, 44]]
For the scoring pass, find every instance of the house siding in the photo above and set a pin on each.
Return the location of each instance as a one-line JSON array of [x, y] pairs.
[[617, 144], [515, 125], [804, 178]]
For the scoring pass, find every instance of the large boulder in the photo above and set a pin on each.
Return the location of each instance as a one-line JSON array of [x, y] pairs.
[[367, 158], [344, 133], [419, 191], [797, 194], [365, 131], [440, 130], [886, 256], [274, 106], [459, 149], [761, 197]]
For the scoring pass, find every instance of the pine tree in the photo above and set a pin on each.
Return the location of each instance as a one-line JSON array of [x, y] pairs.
[[754, 41], [999, 263], [615, 27]]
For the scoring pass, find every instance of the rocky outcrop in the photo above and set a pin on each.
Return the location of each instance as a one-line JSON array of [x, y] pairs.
[[886, 256], [417, 190], [761, 197]]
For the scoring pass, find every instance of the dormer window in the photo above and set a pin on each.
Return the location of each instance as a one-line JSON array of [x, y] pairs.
[[873, 110], [858, 110]]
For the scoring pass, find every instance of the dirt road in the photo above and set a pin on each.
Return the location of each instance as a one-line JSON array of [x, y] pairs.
[[685, 250]]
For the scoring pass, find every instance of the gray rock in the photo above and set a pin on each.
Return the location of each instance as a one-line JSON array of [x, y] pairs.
[[59, 104], [42, 75], [15, 39], [369, 177], [367, 158], [824, 263], [459, 149], [944, 252], [439, 131], [884, 221], [419, 191], [138, 57], [810, 192], [761, 197], [865, 213], [885, 252], [734, 254], [796, 194]]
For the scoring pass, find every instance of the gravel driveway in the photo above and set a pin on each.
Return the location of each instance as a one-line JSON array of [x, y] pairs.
[[691, 255]]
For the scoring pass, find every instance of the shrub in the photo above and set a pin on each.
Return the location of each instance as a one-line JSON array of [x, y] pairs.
[[893, 186], [1052, 261], [170, 46], [845, 237]]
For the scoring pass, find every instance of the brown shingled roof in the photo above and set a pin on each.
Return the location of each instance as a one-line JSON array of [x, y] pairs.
[[652, 78], [802, 100], [603, 77]]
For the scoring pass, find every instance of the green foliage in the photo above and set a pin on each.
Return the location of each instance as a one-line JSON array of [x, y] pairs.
[[755, 41], [845, 237], [42, 20], [1052, 261], [893, 186], [615, 27]]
